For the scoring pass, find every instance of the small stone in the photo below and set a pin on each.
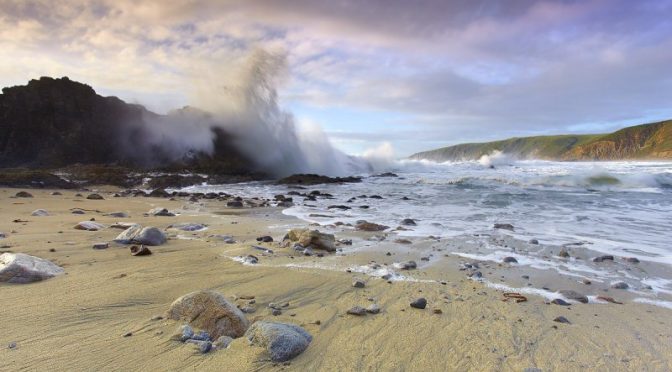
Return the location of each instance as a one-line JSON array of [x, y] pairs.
[[101, 246], [534, 241], [373, 309], [357, 310], [586, 282], [23, 194], [561, 319], [437, 311], [504, 226], [408, 222], [358, 283], [632, 260], [12, 345], [183, 333], [276, 312], [603, 258], [201, 336], [140, 251], [510, 260], [156, 317], [265, 239], [129, 334], [95, 197], [561, 302], [248, 309], [525, 277], [222, 343], [574, 295], [408, 265], [620, 285], [563, 253], [419, 303]]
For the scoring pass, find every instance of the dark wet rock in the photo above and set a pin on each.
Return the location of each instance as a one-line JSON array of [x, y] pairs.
[[603, 258], [373, 309], [510, 260], [375, 197], [248, 309], [140, 251], [358, 283], [159, 193], [408, 265], [77, 211], [39, 213], [201, 336], [419, 303], [561, 319], [534, 241], [282, 341], [525, 277], [475, 274], [183, 333], [56, 193], [345, 241], [265, 239], [341, 207], [101, 245], [574, 295], [563, 253], [632, 260], [22, 268], [586, 282], [95, 197], [89, 226], [23, 194], [161, 212], [364, 207], [357, 310], [504, 226], [314, 179], [312, 238], [370, 226], [276, 312], [620, 285], [235, 204], [251, 259], [285, 204], [386, 174], [204, 347], [211, 312], [403, 241], [408, 222], [561, 302]]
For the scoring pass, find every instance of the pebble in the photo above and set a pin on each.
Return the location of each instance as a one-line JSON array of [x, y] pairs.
[[222, 343], [156, 317], [265, 239], [561, 319], [603, 258], [357, 310], [128, 334], [510, 260], [419, 303], [632, 259], [574, 295], [358, 283], [534, 241], [201, 336], [101, 246], [560, 301], [437, 311], [140, 251], [563, 253], [620, 285], [276, 312], [94, 197], [184, 333], [12, 345]]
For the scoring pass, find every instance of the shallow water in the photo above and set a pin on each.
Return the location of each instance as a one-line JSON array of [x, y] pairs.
[[618, 208]]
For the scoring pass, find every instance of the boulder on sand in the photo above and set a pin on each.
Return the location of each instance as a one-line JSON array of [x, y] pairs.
[[161, 212], [23, 268], [211, 312], [312, 238], [89, 226], [283, 341], [39, 213], [141, 235]]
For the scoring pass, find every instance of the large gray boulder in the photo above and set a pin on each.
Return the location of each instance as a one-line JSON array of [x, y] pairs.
[[312, 238], [23, 268], [283, 341], [141, 235], [89, 226], [211, 312]]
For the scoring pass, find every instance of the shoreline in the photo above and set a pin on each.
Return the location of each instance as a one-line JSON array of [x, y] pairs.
[[77, 320]]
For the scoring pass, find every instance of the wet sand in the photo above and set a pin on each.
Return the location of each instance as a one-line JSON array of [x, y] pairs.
[[77, 321]]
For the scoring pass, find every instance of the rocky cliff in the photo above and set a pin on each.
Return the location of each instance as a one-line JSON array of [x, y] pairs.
[[641, 142], [52, 123]]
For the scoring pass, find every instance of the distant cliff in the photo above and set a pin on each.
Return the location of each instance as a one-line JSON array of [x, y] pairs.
[[641, 142], [52, 123]]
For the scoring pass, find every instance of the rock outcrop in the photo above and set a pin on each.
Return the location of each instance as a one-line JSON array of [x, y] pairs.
[[211, 312], [23, 268]]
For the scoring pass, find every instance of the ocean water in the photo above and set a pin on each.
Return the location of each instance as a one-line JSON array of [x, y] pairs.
[[622, 209]]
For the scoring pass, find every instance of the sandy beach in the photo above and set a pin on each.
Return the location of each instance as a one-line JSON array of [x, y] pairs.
[[77, 321]]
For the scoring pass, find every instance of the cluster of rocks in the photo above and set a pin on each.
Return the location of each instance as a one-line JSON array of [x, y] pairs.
[[306, 239], [219, 322]]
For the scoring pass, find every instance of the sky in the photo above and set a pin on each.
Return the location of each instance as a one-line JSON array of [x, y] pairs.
[[414, 74]]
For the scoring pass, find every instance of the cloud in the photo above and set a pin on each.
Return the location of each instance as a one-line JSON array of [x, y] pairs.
[[437, 71]]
